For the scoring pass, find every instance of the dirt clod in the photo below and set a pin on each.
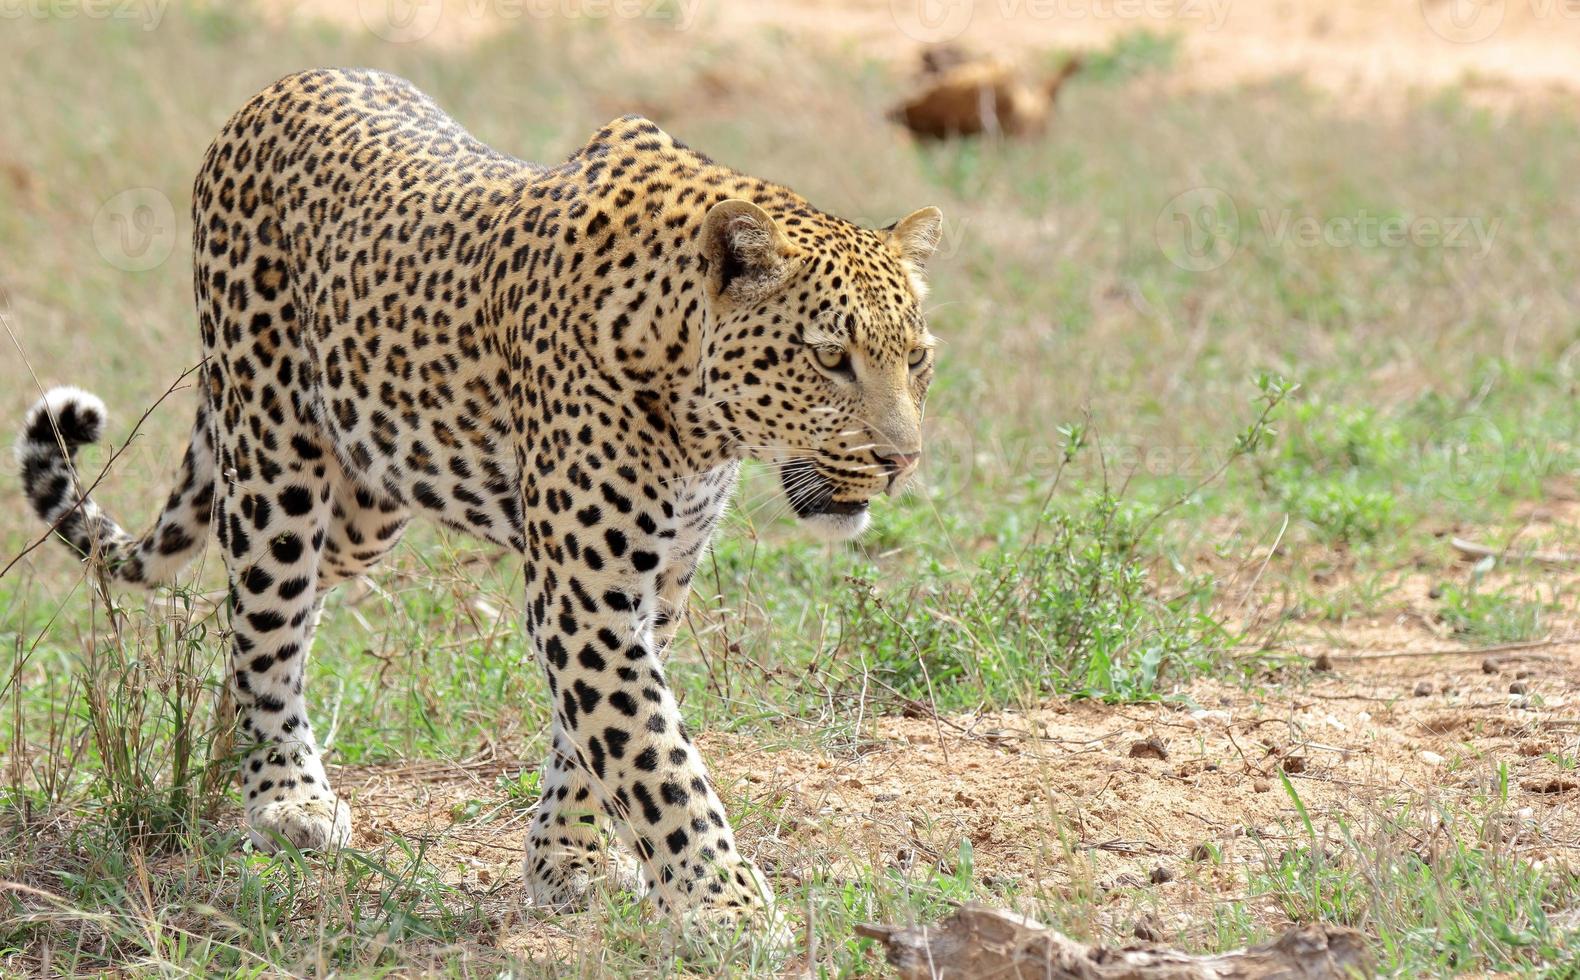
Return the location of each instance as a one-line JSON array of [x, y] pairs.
[[1518, 687], [1423, 688], [1490, 665], [1148, 929], [1160, 875], [1150, 748], [1550, 786]]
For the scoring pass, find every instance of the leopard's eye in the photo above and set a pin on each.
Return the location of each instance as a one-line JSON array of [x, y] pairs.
[[917, 358], [832, 359]]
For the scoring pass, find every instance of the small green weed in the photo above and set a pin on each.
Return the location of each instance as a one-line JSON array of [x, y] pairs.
[[1474, 613]]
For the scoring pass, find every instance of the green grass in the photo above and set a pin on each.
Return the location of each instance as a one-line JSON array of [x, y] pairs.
[[1490, 617], [1445, 888], [1104, 478]]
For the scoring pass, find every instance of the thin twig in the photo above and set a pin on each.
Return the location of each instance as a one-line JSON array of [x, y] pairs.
[[1471, 549], [1455, 652]]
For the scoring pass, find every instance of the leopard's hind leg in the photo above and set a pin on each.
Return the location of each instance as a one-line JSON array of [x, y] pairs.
[[273, 533]]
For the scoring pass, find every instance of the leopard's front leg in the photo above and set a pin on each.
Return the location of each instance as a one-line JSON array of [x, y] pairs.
[[568, 844], [567, 848], [593, 624]]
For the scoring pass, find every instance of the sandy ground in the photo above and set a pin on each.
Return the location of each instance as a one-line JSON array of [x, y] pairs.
[[1108, 799], [1513, 48], [1156, 810]]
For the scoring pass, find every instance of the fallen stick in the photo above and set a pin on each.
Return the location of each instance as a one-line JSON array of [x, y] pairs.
[[983, 942], [1471, 549], [1454, 651]]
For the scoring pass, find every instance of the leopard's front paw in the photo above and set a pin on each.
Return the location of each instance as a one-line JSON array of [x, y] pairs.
[[767, 925], [309, 825], [562, 879], [729, 901]]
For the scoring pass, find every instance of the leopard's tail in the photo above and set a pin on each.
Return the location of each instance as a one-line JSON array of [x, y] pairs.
[[66, 419]]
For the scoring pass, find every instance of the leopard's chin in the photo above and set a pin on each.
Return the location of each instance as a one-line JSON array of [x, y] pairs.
[[811, 496], [838, 525]]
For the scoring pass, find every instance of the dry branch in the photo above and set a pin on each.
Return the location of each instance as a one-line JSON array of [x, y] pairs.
[[1471, 549], [980, 942]]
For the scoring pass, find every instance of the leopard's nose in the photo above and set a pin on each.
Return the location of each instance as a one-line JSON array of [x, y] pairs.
[[899, 464]]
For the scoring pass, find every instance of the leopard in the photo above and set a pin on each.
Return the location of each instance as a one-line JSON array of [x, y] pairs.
[[570, 362]]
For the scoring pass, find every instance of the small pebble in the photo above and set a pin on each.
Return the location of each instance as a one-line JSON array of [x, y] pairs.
[[1160, 875], [1518, 687], [1201, 852], [1490, 665], [1521, 675], [1423, 688], [1322, 664], [1260, 786]]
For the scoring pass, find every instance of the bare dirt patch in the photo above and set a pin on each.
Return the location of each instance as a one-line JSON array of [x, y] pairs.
[[1118, 801]]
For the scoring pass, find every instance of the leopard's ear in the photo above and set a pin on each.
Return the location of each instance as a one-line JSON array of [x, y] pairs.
[[747, 256], [916, 236]]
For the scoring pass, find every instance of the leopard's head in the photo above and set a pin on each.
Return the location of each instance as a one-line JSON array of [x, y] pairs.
[[817, 357]]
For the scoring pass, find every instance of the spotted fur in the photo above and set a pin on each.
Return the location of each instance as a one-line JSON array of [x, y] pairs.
[[570, 362]]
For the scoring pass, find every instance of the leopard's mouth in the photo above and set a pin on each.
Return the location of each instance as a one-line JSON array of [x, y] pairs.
[[811, 494]]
